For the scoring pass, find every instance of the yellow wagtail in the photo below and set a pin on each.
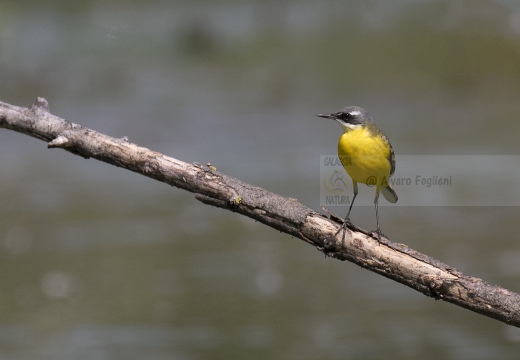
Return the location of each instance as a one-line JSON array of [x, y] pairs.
[[366, 154]]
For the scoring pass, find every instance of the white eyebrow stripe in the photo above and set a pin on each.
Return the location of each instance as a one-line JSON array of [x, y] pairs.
[[355, 112]]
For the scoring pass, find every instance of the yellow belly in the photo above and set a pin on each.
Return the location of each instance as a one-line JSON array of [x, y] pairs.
[[365, 157]]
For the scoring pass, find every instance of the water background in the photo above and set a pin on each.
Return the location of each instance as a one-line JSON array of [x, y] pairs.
[[101, 263]]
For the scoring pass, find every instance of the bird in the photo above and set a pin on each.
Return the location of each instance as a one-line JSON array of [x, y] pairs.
[[367, 156]]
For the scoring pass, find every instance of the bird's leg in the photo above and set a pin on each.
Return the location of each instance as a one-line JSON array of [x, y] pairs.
[[354, 186], [347, 221], [377, 215]]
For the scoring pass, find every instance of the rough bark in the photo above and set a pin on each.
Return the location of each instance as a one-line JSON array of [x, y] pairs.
[[392, 260]]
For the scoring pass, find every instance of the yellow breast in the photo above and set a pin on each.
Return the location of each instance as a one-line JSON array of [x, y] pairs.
[[365, 156]]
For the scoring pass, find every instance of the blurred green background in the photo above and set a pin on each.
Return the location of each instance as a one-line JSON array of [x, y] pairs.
[[101, 263]]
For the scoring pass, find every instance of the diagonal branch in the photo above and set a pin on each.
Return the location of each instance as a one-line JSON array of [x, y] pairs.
[[394, 261]]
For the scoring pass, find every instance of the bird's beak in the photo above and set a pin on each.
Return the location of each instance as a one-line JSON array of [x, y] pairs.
[[326, 116]]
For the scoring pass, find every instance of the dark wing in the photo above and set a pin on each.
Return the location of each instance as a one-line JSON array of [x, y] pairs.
[[391, 156]]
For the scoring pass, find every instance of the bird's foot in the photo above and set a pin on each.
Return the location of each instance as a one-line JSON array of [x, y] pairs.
[[345, 224], [381, 238]]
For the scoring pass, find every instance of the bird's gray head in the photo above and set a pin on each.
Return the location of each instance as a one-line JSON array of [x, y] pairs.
[[350, 117]]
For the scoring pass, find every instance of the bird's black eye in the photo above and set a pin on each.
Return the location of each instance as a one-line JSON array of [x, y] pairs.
[[346, 116]]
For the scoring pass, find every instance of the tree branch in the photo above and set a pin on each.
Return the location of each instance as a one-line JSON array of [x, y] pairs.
[[394, 261]]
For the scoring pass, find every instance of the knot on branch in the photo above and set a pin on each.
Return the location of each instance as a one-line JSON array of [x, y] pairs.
[[60, 142], [40, 104]]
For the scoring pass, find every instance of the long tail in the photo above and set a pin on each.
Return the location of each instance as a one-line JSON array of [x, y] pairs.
[[389, 194]]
